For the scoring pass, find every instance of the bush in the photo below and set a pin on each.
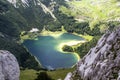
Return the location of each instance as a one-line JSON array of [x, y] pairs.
[[43, 76], [67, 48]]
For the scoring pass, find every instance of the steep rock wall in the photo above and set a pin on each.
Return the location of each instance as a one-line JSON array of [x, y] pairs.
[[102, 62], [9, 68]]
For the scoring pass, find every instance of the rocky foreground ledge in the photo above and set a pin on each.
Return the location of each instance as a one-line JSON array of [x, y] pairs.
[[102, 62], [9, 68]]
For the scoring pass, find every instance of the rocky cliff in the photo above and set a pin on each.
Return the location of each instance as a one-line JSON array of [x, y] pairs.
[[102, 62], [9, 68]]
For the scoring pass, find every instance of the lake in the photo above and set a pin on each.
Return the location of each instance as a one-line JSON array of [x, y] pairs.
[[47, 49]]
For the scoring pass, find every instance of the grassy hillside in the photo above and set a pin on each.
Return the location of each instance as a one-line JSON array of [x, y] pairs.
[[93, 11], [30, 74]]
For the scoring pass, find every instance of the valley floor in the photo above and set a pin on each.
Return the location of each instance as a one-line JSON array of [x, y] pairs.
[[30, 74]]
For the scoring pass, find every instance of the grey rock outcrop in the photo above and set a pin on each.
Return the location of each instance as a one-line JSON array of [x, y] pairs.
[[9, 68], [103, 61]]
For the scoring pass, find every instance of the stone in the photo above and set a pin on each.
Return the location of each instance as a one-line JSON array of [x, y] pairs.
[[9, 68], [103, 61]]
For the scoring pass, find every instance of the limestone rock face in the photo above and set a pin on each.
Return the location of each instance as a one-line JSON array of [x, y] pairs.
[[103, 61], [9, 68]]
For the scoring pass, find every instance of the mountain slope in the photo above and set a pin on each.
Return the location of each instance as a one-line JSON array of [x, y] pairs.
[[94, 11], [13, 20], [103, 61], [20, 17]]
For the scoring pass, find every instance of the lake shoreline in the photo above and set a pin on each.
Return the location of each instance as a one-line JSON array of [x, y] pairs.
[[56, 34], [71, 43]]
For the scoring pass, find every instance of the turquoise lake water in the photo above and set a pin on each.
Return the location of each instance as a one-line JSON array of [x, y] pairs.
[[46, 50]]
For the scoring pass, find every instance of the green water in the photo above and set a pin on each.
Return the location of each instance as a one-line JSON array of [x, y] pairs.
[[46, 50]]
